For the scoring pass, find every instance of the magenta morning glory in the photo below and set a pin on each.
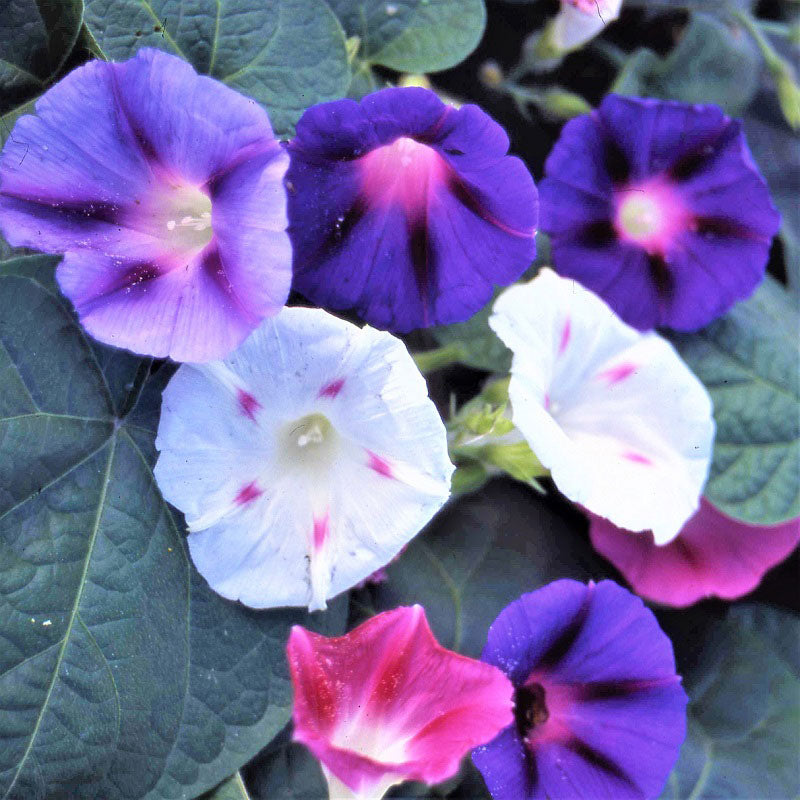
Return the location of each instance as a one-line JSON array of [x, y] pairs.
[[599, 710], [658, 207], [164, 191], [406, 210]]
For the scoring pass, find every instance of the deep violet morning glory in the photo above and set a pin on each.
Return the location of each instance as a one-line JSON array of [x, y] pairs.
[[164, 190], [658, 207], [406, 210], [599, 710]]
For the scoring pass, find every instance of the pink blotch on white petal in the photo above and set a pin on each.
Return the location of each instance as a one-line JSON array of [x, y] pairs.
[[379, 465], [332, 389], [247, 494], [617, 373], [248, 404], [386, 703], [714, 556], [321, 524], [578, 21], [401, 173]]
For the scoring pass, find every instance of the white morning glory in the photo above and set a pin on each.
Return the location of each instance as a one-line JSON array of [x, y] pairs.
[[304, 461], [578, 21], [620, 421]]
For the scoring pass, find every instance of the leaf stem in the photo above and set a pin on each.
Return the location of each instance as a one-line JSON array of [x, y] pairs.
[[439, 357]]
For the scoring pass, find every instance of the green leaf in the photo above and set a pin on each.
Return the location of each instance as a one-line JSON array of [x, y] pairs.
[[481, 553], [710, 64], [36, 37], [286, 770], [122, 675], [712, 6], [482, 348], [286, 54], [776, 149], [413, 35], [231, 789], [749, 364], [743, 713]]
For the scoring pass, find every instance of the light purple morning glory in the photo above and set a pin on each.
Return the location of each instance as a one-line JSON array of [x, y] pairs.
[[406, 210], [658, 207], [599, 709], [164, 190]]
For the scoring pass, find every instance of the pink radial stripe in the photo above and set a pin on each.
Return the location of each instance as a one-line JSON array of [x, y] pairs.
[[248, 404], [331, 389], [618, 373], [379, 465], [637, 458], [321, 530], [566, 333], [248, 493]]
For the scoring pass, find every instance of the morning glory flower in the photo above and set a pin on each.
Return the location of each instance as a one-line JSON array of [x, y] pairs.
[[578, 21], [406, 210], [620, 421], [658, 207], [164, 190], [599, 711], [304, 461], [714, 556], [387, 703]]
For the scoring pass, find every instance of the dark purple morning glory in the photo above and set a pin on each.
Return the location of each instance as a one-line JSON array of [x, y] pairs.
[[406, 210], [164, 190], [658, 207], [599, 710]]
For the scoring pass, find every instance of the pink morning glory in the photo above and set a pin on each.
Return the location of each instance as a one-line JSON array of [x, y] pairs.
[[658, 207], [599, 711], [304, 461], [406, 210], [164, 190], [714, 556], [387, 703], [620, 421]]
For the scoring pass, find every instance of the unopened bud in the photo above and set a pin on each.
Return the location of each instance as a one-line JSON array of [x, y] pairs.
[[491, 74]]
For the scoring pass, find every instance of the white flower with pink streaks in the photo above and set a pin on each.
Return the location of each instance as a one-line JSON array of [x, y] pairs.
[[620, 421], [304, 461], [578, 21]]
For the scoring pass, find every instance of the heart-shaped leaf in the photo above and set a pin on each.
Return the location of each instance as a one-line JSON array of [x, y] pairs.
[[748, 361], [286, 54], [36, 37], [413, 35], [743, 711], [121, 674]]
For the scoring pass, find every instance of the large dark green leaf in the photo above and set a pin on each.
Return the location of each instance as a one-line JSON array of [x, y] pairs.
[[413, 35], [744, 714], [36, 37], [481, 553], [287, 54], [286, 770], [749, 361], [709, 65], [121, 674]]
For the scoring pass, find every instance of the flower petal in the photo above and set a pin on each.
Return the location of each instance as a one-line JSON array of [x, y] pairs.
[[387, 703], [401, 185], [714, 555], [670, 176], [623, 425], [304, 461]]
